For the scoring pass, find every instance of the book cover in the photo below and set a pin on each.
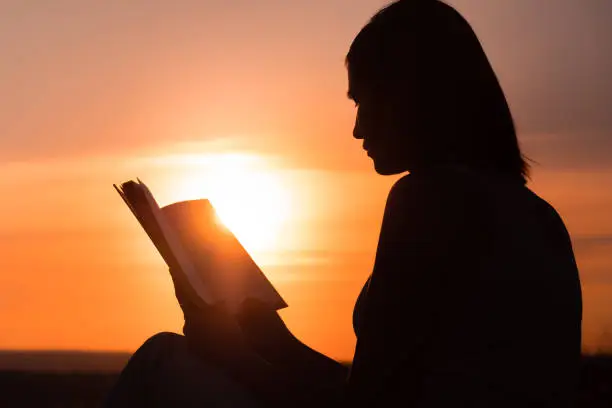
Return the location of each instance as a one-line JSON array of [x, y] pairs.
[[194, 242]]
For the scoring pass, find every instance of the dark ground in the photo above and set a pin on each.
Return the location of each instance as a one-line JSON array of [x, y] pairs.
[[83, 389]]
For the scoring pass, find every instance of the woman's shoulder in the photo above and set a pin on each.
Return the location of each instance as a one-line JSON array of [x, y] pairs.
[[419, 185], [413, 191], [439, 189], [461, 197], [432, 202], [548, 214]]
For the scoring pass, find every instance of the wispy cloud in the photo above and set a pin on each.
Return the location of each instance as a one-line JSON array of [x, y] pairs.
[[593, 257], [578, 151]]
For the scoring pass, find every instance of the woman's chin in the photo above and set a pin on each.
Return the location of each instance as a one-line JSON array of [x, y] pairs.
[[387, 167]]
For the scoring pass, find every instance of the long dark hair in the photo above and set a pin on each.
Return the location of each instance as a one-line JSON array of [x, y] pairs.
[[427, 46]]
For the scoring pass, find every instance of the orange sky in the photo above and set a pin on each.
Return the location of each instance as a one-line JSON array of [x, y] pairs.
[[95, 93]]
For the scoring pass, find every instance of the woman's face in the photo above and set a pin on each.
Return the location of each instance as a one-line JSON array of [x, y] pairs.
[[383, 123]]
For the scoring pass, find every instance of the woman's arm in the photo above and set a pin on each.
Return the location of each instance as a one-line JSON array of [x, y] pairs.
[[284, 385], [304, 379], [258, 349], [269, 336], [313, 367]]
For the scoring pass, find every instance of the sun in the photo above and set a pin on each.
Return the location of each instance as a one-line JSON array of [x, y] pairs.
[[249, 197]]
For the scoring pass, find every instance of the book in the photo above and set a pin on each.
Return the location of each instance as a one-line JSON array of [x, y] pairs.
[[194, 242]]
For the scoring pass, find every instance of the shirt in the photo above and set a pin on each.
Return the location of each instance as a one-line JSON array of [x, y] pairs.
[[474, 299]]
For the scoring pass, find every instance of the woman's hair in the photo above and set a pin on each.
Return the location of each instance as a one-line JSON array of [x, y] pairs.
[[426, 50]]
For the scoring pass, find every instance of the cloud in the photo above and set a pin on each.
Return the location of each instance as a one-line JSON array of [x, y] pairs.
[[160, 78], [594, 262], [554, 62], [553, 59], [569, 151], [592, 242]]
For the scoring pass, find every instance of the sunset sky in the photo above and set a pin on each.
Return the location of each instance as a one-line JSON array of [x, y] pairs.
[[244, 102]]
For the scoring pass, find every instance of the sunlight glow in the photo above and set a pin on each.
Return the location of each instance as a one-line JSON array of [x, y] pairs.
[[250, 198]]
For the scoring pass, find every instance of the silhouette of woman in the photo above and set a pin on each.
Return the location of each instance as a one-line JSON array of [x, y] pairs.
[[474, 300]]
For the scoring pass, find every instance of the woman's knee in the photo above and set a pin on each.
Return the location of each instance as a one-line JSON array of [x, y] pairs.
[[143, 368], [165, 369], [163, 340], [159, 348]]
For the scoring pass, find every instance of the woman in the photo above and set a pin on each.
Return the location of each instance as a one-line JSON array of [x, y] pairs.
[[474, 299]]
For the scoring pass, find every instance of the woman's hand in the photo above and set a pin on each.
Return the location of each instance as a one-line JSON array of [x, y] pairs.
[[268, 335], [217, 335], [211, 331], [265, 331]]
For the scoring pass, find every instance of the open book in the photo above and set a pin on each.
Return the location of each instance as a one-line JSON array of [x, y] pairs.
[[192, 240]]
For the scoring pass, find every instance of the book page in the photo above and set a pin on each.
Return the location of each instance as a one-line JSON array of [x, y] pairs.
[[193, 241], [143, 205], [223, 264]]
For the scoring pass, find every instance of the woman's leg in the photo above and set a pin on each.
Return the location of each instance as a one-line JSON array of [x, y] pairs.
[[164, 373]]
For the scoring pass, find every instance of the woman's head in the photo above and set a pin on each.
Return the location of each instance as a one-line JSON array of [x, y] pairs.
[[427, 95]]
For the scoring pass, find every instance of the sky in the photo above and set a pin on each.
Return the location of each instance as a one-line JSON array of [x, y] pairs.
[[94, 93]]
